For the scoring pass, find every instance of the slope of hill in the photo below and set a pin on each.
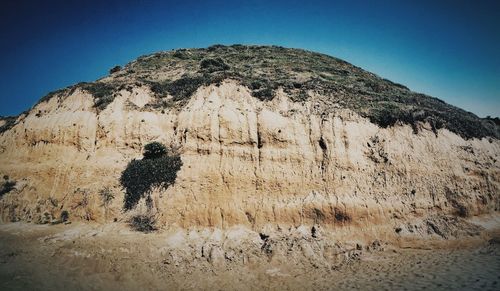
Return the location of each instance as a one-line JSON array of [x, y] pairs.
[[269, 138], [299, 73]]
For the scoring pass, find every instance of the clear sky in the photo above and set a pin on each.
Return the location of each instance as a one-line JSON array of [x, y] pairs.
[[447, 49]]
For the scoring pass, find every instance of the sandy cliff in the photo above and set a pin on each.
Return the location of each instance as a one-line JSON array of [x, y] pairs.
[[259, 163], [244, 162]]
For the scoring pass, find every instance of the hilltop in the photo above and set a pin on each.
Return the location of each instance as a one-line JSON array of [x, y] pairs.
[[299, 73]]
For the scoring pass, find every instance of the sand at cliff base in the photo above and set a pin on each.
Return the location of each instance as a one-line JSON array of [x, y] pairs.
[[96, 257]]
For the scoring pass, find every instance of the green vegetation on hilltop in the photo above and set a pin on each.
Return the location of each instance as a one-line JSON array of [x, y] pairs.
[[9, 122], [103, 92]]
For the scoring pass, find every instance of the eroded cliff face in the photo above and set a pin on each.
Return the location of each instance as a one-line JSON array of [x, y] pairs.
[[245, 162]]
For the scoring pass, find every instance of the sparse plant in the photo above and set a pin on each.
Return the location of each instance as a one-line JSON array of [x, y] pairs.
[[50, 95], [82, 204], [107, 196], [115, 69]]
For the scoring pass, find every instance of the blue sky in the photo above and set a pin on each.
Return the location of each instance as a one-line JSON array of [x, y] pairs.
[[447, 49]]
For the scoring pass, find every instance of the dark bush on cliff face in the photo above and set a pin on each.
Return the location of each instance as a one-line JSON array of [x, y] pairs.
[[7, 186], [143, 223], [154, 150], [156, 169]]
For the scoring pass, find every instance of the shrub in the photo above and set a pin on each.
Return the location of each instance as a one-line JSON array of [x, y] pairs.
[[102, 92], [6, 187], [64, 216], [154, 150], [180, 54], [115, 69], [180, 89], [264, 94], [494, 120], [156, 170], [10, 121], [213, 65], [184, 87], [160, 89], [144, 223], [98, 89], [215, 47]]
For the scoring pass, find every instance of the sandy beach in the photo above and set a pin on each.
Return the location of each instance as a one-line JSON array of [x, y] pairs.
[[112, 257]]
